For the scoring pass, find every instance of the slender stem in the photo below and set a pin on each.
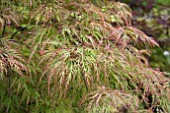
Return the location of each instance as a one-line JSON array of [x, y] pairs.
[[20, 29], [3, 32], [84, 78], [14, 34]]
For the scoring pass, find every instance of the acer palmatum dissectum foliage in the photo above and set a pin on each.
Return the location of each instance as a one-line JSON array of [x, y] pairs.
[[10, 60], [115, 100], [127, 35], [84, 49], [104, 60], [8, 16]]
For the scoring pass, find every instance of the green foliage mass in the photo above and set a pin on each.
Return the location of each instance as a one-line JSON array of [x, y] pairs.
[[73, 56]]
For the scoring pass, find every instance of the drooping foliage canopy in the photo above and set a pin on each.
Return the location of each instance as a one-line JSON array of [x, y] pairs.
[[67, 56]]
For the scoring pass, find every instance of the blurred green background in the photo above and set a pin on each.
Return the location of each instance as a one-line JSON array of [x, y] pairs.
[[153, 17]]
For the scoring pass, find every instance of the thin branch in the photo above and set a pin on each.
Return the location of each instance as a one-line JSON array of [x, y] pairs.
[[19, 29], [3, 32], [84, 79]]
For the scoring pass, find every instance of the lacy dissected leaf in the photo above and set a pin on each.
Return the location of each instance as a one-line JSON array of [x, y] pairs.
[[8, 16], [114, 100], [10, 60], [125, 36]]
